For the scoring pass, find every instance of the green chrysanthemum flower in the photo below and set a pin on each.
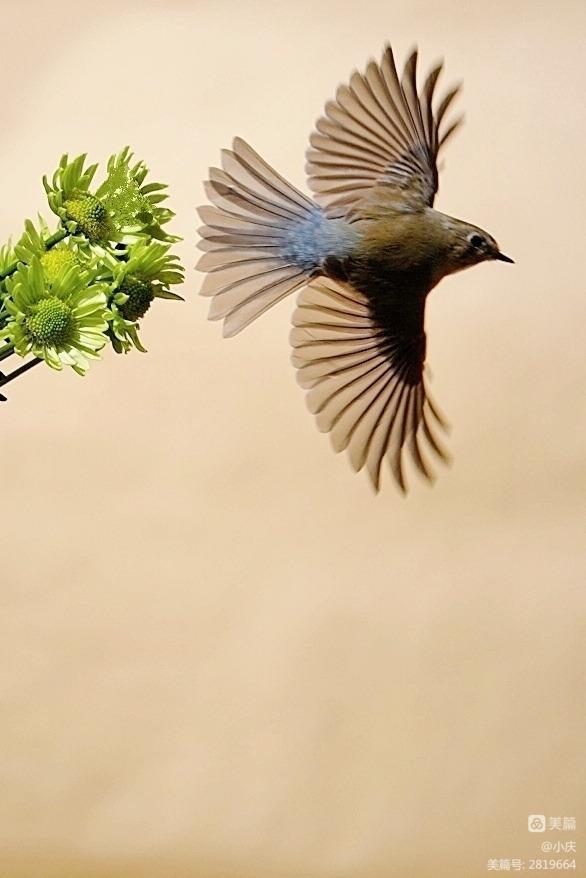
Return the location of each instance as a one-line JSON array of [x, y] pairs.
[[136, 207], [69, 180], [63, 322], [80, 211], [151, 263], [146, 272], [51, 249]]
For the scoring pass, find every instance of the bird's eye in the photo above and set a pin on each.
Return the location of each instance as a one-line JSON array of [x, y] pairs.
[[476, 240]]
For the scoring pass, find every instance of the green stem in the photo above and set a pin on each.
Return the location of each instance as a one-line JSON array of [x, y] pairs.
[[6, 350], [57, 236]]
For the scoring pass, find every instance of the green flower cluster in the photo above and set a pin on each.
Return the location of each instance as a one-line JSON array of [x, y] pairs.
[[58, 314], [66, 294]]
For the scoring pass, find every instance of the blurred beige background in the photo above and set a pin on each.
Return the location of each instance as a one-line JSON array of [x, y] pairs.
[[221, 655]]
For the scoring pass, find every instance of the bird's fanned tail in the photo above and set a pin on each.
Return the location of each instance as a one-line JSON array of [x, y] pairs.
[[259, 238]]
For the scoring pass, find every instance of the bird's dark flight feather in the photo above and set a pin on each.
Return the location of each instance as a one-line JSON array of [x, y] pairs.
[[362, 362]]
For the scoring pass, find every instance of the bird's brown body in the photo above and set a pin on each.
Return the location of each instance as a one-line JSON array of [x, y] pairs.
[[420, 245], [367, 252]]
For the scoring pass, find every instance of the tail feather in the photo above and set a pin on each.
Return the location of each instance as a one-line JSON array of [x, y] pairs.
[[238, 313], [238, 293], [230, 275], [218, 260], [245, 159], [222, 184], [252, 238]]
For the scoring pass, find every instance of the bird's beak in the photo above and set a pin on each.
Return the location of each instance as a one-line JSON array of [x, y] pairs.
[[502, 258]]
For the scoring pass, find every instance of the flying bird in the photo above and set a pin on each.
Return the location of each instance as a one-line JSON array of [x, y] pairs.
[[365, 251]]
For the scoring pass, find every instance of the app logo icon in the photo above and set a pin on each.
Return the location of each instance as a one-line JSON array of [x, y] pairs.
[[536, 823]]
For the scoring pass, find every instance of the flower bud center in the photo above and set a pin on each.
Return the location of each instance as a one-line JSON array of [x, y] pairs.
[[54, 260], [140, 295], [91, 217], [51, 322]]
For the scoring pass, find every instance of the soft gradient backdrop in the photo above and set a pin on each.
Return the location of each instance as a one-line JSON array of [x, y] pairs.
[[221, 655]]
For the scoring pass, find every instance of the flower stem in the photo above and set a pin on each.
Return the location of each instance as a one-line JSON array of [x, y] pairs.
[[57, 236], [6, 379], [6, 350]]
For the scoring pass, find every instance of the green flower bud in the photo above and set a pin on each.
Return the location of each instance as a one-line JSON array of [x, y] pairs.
[[140, 295], [91, 217], [51, 322], [54, 260]]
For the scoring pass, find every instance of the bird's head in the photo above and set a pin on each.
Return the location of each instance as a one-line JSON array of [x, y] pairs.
[[469, 245]]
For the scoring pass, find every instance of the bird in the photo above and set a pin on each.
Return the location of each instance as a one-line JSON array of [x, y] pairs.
[[364, 251]]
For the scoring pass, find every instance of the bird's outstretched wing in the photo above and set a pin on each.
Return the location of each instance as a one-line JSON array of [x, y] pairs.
[[363, 364], [379, 132]]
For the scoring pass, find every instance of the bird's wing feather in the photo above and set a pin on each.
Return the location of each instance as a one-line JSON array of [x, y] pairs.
[[363, 365], [379, 132]]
